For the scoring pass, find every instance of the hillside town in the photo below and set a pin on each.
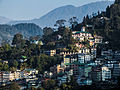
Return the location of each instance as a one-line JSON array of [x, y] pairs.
[[78, 56], [85, 65]]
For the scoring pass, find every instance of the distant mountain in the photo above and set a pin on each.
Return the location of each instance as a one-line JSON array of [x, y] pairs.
[[4, 20], [66, 12], [7, 31]]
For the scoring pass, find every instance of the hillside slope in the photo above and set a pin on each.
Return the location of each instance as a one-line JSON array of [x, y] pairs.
[[7, 31]]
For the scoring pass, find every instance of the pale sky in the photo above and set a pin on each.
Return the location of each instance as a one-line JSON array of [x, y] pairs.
[[29, 9]]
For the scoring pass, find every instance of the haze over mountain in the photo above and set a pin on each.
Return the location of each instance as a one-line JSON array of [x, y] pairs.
[[66, 12], [26, 29], [4, 20]]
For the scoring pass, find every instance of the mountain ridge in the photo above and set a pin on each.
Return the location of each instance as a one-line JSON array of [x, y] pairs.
[[26, 29], [66, 12], [4, 20]]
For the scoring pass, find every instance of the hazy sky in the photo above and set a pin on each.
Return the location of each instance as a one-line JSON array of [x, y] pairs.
[[29, 9]]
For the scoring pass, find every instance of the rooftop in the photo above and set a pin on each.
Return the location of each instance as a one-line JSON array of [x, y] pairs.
[[81, 32], [75, 63]]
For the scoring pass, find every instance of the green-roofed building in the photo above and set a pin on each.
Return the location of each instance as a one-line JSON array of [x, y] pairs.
[[24, 57]]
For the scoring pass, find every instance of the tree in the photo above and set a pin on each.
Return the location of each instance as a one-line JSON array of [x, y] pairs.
[[47, 31], [107, 28], [73, 22], [108, 11], [86, 20], [1, 65], [49, 84], [18, 40], [60, 23], [117, 1], [66, 87], [98, 13], [15, 63], [12, 69], [14, 86], [5, 67], [32, 88], [6, 47]]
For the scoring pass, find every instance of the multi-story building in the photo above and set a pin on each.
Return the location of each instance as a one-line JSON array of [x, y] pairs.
[[84, 81], [66, 59], [60, 69], [93, 52], [84, 50], [81, 35], [117, 54], [5, 77], [88, 70], [96, 75], [116, 70], [81, 58], [73, 58], [81, 71], [67, 53], [91, 42], [108, 54], [50, 52], [17, 75], [98, 39], [75, 68], [84, 58], [62, 79], [106, 73]]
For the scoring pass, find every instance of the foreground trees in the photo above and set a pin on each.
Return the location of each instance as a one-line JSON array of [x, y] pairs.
[[12, 86]]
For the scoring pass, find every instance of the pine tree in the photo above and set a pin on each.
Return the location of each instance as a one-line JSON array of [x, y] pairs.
[[108, 11], [117, 1]]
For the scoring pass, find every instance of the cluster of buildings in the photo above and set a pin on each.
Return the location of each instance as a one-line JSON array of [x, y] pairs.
[[84, 65], [83, 35], [86, 69], [27, 76]]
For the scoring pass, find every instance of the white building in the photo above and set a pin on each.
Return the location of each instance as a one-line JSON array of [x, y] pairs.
[[106, 73], [94, 52], [8, 76], [83, 58], [5, 77], [81, 35]]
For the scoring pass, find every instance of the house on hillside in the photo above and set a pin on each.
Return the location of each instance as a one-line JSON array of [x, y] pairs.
[[106, 73], [84, 58], [96, 75], [50, 52], [81, 35], [36, 42], [98, 39]]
